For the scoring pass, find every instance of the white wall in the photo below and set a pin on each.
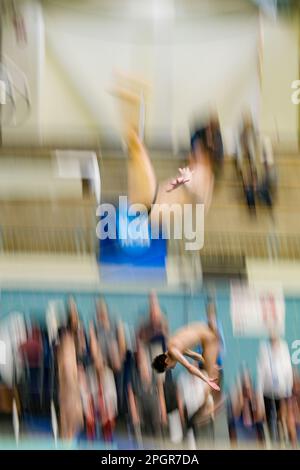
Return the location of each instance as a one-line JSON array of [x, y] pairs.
[[215, 64], [29, 58], [191, 61], [280, 69], [33, 178], [285, 273], [64, 115], [190, 64]]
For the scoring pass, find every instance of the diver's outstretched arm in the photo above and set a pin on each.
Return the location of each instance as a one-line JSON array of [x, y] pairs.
[[194, 355], [179, 357]]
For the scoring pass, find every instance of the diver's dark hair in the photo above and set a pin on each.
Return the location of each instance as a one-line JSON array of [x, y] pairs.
[[199, 136], [160, 363]]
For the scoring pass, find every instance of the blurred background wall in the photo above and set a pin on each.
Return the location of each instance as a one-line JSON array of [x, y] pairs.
[[193, 54]]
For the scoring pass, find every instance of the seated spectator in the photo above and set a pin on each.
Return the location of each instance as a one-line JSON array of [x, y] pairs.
[[249, 180], [275, 380], [147, 407], [126, 382], [87, 402], [248, 148], [76, 328], [246, 412], [111, 337], [70, 405], [248, 142], [108, 402], [31, 353], [174, 407], [7, 397], [296, 402], [104, 399], [153, 332], [103, 387], [258, 177], [268, 181], [196, 401], [32, 349]]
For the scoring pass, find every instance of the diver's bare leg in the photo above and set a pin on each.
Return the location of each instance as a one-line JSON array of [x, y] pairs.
[[141, 177], [210, 354]]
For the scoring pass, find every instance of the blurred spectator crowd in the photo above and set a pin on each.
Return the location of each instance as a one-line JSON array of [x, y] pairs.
[[96, 382]]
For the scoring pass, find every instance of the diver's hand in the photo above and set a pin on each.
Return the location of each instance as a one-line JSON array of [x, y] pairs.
[[211, 383], [185, 175]]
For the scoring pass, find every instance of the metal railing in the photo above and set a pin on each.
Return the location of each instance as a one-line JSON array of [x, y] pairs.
[[266, 245], [222, 246], [34, 239]]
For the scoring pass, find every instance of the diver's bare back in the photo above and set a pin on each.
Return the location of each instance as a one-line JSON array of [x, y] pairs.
[[190, 336]]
